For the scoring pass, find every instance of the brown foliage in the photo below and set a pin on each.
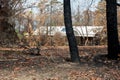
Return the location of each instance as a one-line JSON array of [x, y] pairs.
[[59, 40]]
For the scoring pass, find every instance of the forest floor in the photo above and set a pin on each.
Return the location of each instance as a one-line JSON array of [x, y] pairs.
[[54, 64]]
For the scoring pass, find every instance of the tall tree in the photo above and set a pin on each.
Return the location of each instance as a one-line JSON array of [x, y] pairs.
[[112, 32], [100, 14], [69, 31]]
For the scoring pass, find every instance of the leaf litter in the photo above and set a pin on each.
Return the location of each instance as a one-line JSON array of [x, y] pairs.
[[52, 65]]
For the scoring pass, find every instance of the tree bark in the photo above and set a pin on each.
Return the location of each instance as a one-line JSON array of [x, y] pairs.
[[112, 31], [69, 32]]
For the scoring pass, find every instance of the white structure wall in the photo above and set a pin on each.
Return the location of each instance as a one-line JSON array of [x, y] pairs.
[[82, 31]]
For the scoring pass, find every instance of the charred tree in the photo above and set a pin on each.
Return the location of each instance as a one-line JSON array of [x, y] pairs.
[[69, 32], [112, 31]]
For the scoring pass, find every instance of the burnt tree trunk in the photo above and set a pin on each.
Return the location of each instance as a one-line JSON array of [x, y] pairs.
[[69, 32], [112, 31]]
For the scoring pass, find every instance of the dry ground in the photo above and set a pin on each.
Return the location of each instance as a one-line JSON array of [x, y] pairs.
[[53, 64]]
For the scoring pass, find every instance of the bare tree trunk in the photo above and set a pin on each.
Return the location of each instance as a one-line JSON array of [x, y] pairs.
[[112, 32], [69, 31]]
